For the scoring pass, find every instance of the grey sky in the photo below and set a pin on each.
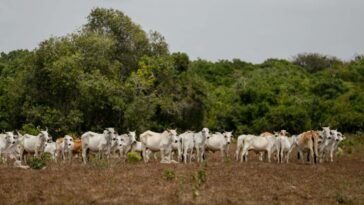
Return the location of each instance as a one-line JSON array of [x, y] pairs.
[[252, 30]]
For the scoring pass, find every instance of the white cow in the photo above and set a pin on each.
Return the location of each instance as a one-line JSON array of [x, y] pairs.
[[324, 141], [285, 146], [219, 142], [51, 148], [98, 143], [65, 146], [265, 144], [330, 145], [156, 142], [127, 141], [187, 145], [33, 144], [240, 145], [200, 143], [138, 147], [8, 141], [177, 148]]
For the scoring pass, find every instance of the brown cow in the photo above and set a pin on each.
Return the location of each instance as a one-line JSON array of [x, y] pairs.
[[77, 147], [308, 142]]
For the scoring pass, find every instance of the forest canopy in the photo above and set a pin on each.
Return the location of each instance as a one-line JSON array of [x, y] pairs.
[[111, 73]]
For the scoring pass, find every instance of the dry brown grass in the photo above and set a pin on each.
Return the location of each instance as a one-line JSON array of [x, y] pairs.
[[227, 182]]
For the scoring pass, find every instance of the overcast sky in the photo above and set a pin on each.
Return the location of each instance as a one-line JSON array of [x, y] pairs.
[[252, 30]]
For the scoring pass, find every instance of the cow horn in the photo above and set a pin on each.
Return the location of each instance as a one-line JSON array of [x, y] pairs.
[[46, 129]]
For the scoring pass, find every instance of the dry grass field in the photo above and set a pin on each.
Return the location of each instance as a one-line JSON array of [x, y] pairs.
[[228, 182]]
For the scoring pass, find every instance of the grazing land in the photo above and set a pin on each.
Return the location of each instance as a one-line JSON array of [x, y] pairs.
[[215, 182]]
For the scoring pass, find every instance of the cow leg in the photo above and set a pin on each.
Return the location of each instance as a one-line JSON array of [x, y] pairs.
[[261, 155], [311, 155], [36, 153], [162, 154], [237, 153], [198, 154], [84, 155], [269, 152], [287, 155], [244, 156], [222, 154], [332, 155], [185, 156], [144, 153], [280, 155]]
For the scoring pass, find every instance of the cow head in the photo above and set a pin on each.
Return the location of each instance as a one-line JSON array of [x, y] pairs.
[[337, 136], [11, 138], [110, 134], [327, 135], [68, 142], [45, 136], [283, 133], [227, 136], [132, 136], [173, 134], [206, 132], [120, 142]]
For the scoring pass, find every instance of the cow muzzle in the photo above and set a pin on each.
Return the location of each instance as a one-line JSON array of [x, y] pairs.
[[228, 142]]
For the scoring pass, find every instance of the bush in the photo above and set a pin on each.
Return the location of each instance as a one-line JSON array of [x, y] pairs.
[[39, 162], [169, 174], [343, 199], [134, 157]]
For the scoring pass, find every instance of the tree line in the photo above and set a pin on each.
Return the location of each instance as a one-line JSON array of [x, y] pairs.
[[111, 73]]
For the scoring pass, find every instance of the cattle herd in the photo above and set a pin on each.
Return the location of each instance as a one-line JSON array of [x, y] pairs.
[[318, 145]]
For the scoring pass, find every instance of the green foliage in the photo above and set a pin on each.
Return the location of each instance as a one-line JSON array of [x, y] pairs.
[[39, 162], [134, 157], [112, 73], [169, 175], [344, 199], [200, 177], [98, 163]]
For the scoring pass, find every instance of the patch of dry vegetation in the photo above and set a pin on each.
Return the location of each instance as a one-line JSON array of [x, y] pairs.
[[340, 182]]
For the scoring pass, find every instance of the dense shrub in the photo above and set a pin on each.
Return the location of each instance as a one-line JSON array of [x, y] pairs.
[[111, 73]]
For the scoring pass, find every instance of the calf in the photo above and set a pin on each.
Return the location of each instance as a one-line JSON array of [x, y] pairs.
[[51, 148], [128, 141], [285, 146], [177, 148]]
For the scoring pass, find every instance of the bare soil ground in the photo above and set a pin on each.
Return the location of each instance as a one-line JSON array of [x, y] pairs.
[[229, 182]]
